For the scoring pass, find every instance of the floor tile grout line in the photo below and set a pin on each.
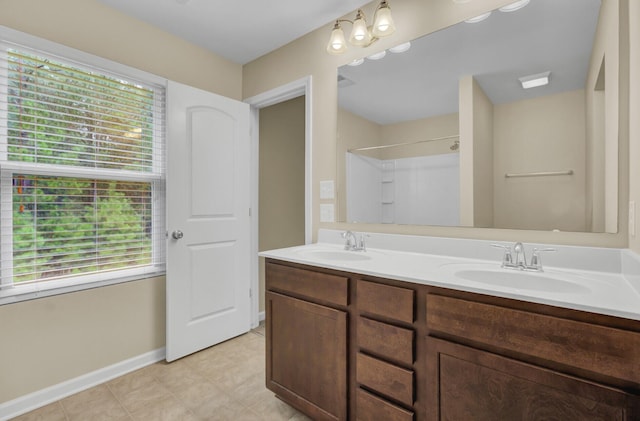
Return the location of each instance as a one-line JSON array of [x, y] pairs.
[[118, 400]]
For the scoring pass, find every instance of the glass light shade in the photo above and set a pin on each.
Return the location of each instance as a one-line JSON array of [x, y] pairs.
[[360, 34], [401, 48], [479, 18], [337, 44], [383, 22], [377, 56], [517, 5]]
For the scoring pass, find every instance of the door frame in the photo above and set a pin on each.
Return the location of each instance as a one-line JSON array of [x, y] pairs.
[[274, 96]]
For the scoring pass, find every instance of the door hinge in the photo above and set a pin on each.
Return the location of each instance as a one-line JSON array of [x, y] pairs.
[[250, 293]]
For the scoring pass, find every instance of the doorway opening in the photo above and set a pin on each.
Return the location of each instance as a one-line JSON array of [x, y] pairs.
[[280, 177]]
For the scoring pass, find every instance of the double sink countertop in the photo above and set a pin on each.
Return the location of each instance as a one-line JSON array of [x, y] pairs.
[[603, 292]]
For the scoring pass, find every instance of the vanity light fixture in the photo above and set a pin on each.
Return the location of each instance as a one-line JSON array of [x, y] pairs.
[[512, 7], [479, 18], [377, 56], [533, 81], [361, 34], [401, 48]]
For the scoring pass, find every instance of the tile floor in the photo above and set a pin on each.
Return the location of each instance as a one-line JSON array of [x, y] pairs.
[[224, 382]]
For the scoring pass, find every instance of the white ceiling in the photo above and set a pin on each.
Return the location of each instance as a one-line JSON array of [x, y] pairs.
[[546, 35], [239, 30]]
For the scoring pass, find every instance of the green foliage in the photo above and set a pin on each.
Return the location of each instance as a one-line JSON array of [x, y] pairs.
[[61, 115], [66, 226]]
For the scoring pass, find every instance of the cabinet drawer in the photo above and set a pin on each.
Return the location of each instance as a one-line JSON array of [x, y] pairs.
[[386, 301], [598, 349], [387, 379], [386, 340], [315, 285], [371, 408]]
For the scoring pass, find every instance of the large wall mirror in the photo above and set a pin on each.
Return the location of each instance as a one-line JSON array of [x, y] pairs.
[[448, 133]]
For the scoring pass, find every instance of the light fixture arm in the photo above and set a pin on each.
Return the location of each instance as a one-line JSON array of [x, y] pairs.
[[362, 35]]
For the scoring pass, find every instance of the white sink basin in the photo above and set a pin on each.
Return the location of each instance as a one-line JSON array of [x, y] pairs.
[[336, 255], [515, 279]]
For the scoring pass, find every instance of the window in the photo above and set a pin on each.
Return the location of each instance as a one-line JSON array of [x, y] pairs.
[[81, 173]]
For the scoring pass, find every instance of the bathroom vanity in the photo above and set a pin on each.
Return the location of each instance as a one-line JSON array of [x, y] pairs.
[[345, 344]]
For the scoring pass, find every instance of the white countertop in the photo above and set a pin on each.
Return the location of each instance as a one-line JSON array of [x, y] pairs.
[[602, 292]]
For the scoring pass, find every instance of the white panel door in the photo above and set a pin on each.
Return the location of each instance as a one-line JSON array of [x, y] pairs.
[[208, 297]]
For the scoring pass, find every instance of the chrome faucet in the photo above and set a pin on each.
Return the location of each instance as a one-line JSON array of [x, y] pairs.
[[520, 260], [353, 243]]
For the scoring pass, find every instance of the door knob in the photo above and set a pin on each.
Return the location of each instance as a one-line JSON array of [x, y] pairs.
[[177, 234]]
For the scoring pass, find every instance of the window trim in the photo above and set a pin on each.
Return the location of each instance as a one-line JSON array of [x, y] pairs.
[[52, 287]]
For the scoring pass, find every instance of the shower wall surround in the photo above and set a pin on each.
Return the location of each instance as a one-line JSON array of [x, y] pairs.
[[422, 190]]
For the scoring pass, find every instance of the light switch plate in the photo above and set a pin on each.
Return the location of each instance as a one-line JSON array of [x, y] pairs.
[[327, 189], [326, 212]]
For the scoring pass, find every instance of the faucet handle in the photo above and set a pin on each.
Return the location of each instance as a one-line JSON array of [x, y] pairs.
[[507, 259], [536, 259], [362, 244]]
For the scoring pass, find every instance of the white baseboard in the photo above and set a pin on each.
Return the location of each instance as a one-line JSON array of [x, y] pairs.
[[58, 391], [261, 316]]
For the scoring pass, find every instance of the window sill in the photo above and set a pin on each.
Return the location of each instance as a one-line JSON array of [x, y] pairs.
[[64, 286]]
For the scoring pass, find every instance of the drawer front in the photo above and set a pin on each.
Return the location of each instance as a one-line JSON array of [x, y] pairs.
[[385, 340], [599, 349], [371, 408], [386, 301], [315, 285], [387, 379]]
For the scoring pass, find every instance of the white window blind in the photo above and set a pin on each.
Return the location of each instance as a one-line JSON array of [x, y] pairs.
[[82, 171]]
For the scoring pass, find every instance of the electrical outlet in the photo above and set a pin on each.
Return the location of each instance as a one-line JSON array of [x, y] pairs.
[[632, 218], [326, 213], [327, 189]]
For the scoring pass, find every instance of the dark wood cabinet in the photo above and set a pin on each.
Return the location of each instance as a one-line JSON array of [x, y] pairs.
[[306, 346], [347, 346], [470, 384]]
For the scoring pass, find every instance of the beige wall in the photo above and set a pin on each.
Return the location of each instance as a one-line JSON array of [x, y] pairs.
[[282, 155], [307, 56], [634, 111], [604, 111], [537, 135], [417, 131], [50, 340], [483, 157]]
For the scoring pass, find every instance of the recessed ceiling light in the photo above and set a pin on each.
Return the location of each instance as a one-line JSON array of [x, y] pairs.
[[377, 56], [479, 18], [533, 81], [400, 48], [517, 5], [356, 62]]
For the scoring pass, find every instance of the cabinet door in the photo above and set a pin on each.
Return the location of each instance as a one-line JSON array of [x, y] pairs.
[[307, 356], [469, 384]]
